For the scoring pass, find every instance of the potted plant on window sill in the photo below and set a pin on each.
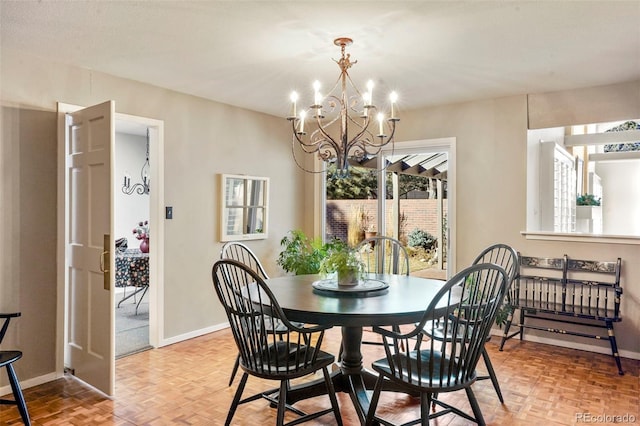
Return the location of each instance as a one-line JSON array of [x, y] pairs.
[[345, 261], [588, 207]]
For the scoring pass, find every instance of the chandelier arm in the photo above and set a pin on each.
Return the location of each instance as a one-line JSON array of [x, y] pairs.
[[326, 147], [392, 126], [295, 159], [296, 135], [355, 88], [365, 142], [314, 145], [326, 137]]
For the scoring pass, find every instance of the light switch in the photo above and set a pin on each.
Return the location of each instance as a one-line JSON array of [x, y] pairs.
[[168, 212]]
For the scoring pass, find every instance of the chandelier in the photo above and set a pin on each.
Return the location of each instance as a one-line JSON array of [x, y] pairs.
[[140, 187], [331, 116]]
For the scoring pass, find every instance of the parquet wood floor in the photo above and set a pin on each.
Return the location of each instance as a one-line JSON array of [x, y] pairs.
[[186, 384]]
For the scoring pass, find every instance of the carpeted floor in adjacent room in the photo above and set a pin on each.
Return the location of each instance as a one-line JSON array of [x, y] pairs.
[[132, 331]]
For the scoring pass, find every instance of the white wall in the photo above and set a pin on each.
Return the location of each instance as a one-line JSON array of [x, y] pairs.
[[202, 139], [131, 153], [621, 196], [534, 137], [491, 147]]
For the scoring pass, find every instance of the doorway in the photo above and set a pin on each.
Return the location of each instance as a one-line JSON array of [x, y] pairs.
[[412, 200], [132, 168], [67, 325]]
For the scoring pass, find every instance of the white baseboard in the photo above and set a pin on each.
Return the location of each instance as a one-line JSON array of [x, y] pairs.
[[49, 377], [530, 337], [192, 334], [29, 383]]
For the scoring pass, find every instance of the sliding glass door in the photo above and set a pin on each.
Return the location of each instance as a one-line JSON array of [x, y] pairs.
[[404, 193]]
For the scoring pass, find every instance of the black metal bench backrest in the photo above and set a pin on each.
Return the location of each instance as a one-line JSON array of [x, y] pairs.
[[578, 288], [593, 289], [539, 283]]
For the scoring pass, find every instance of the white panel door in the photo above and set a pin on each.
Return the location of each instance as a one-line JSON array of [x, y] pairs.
[[90, 324]]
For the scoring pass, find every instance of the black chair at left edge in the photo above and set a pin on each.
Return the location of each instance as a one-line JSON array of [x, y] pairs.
[[250, 305], [7, 358]]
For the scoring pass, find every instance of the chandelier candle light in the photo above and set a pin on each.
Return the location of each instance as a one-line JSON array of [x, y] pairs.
[[348, 107]]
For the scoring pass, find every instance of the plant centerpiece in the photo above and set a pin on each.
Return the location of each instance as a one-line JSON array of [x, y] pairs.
[[345, 261]]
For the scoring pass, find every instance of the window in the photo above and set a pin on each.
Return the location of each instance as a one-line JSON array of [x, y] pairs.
[[600, 160], [244, 207]]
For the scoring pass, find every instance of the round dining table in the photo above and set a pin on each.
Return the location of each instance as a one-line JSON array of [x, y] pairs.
[[391, 300]]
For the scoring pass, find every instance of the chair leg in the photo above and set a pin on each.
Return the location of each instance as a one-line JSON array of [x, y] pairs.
[[474, 406], [374, 401], [17, 395], [235, 370], [507, 326], [236, 398], [282, 401], [492, 374], [425, 402], [332, 396]]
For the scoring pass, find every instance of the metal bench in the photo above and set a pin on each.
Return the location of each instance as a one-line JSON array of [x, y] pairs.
[[571, 291]]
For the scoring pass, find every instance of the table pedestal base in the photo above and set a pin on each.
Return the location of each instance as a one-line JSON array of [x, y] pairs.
[[352, 378]]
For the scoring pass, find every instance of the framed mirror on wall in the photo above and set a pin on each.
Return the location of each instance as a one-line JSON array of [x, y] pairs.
[[244, 207]]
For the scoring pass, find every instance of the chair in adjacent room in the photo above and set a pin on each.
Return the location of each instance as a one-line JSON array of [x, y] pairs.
[[7, 358], [250, 306], [383, 255], [502, 255], [469, 301]]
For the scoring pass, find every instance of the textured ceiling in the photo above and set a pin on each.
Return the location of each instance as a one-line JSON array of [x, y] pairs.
[[253, 53]]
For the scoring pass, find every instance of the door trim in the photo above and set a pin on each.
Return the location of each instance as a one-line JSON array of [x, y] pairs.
[[447, 145], [156, 219]]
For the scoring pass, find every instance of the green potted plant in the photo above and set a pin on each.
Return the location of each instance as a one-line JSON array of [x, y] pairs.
[[345, 261], [588, 213], [302, 255], [587, 200]]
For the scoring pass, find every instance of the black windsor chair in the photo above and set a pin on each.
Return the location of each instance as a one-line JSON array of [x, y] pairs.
[[506, 257], [250, 306], [383, 255], [240, 252], [469, 301], [7, 358]]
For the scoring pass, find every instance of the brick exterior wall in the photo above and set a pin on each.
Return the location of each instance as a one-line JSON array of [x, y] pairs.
[[418, 213]]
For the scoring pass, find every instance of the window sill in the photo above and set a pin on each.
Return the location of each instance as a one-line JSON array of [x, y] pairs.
[[582, 238]]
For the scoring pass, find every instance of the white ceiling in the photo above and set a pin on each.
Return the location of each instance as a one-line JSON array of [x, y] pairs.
[[253, 53]]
